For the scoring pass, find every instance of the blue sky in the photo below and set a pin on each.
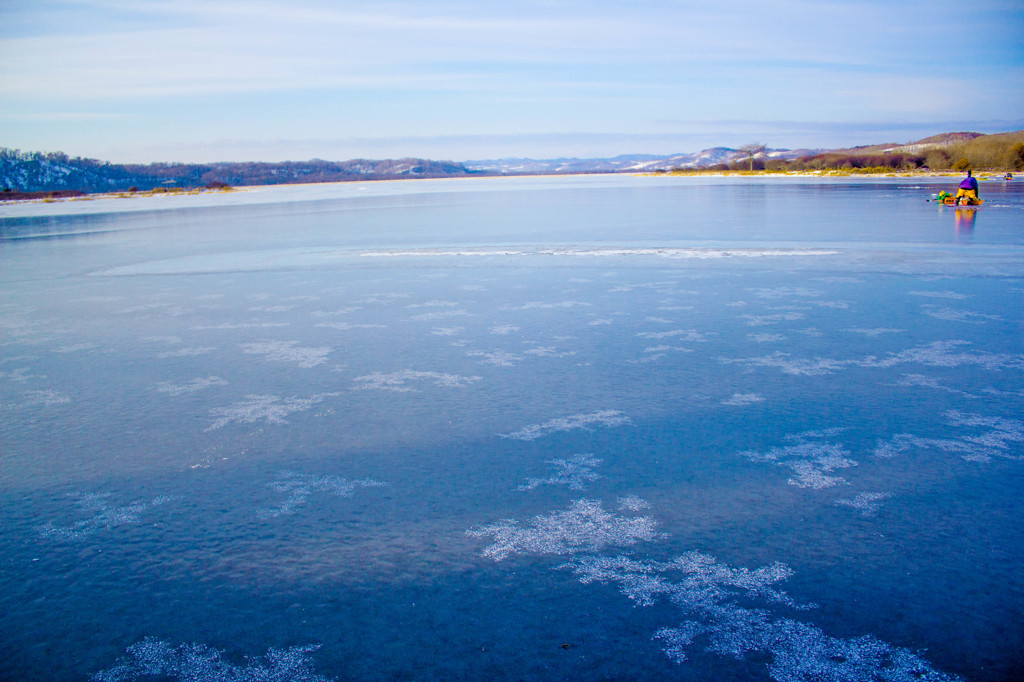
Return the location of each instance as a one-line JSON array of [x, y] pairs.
[[237, 80]]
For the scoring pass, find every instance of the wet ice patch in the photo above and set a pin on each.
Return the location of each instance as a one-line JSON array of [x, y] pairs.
[[288, 351], [100, 515], [190, 386], [575, 472], [867, 504], [504, 329], [810, 456], [154, 658], [766, 338], [577, 421], [399, 381], [584, 527], [298, 487], [268, 408]]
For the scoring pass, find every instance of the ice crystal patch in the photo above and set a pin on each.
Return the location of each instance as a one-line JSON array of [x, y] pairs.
[[186, 352], [100, 516], [191, 386], [865, 503], [810, 456], [200, 663], [796, 366], [46, 397], [997, 441], [288, 351], [298, 488], [784, 292], [946, 354], [929, 382], [440, 315], [940, 294], [712, 598], [776, 318], [584, 527], [224, 326], [954, 315], [741, 399], [577, 421], [498, 357], [574, 472], [875, 331], [548, 352], [269, 408], [346, 326], [398, 381], [676, 334]]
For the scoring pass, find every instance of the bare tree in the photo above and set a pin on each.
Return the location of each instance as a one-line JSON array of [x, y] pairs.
[[752, 150]]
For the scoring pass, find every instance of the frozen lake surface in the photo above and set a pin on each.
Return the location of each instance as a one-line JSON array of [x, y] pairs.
[[518, 428]]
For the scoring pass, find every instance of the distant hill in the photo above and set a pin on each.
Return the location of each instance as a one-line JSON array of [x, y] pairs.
[[43, 172], [626, 163], [49, 172]]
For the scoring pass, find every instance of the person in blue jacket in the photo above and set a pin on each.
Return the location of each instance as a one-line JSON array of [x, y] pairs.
[[968, 192]]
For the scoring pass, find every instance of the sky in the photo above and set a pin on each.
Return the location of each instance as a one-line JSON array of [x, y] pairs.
[[242, 80]]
